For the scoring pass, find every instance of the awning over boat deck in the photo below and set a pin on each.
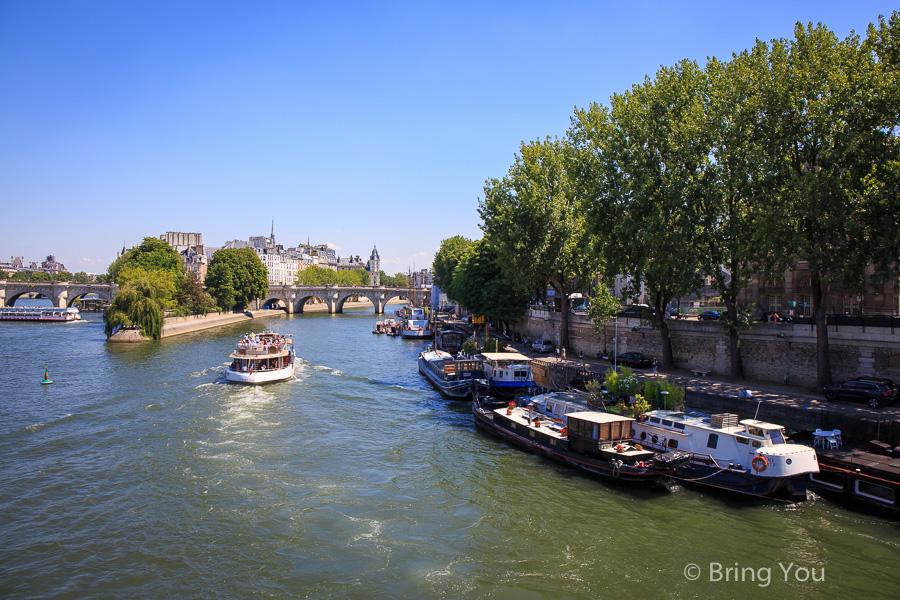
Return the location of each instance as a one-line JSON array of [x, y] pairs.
[[597, 417]]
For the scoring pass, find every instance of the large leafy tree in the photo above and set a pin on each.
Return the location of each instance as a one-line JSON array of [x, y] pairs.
[[446, 260], [645, 163], [152, 254], [164, 282], [236, 277], [316, 275], [831, 132], [536, 222], [135, 305], [481, 285]]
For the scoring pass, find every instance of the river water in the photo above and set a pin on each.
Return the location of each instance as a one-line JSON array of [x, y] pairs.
[[140, 474]]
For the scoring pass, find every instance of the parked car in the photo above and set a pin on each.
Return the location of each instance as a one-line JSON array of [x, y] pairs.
[[542, 346], [875, 391], [634, 359], [710, 315]]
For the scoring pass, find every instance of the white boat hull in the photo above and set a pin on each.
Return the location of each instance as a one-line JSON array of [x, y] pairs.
[[257, 377]]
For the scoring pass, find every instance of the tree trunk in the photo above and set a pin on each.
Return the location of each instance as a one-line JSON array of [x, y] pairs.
[[823, 361], [564, 320], [659, 303], [734, 338]]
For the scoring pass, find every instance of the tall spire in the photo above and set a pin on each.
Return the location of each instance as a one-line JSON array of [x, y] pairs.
[[273, 230]]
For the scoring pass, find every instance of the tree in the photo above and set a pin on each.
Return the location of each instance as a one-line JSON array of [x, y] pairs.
[[135, 305], [643, 164], [831, 132], [316, 275], [535, 220], [446, 259], [152, 255], [602, 307], [236, 277], [165, 283], [481, 285], [191, 297]]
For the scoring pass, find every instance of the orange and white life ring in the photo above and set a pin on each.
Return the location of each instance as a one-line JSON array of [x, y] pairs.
[[759, 464]]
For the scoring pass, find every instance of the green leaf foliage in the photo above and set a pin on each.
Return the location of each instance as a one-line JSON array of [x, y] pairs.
[[135, 305], [236, 277], [481, 285], [446, 259], [152, 254]]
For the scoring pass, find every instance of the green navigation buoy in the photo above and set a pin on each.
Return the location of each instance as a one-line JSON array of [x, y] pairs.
[[47, 380]]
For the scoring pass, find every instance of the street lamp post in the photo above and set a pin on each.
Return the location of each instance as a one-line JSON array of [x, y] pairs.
[[616, 345]]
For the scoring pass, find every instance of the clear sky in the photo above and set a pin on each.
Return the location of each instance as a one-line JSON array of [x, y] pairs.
[[351, 123]]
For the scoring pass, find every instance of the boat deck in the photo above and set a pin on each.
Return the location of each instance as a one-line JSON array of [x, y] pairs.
[[862, 459]]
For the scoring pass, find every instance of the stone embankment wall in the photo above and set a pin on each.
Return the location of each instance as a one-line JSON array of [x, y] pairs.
[[178, 325], [769, 351]]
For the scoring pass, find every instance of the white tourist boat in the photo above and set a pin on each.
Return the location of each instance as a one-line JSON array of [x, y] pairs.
[[751, 457], [415, 324], [262, 358], [39, 313]]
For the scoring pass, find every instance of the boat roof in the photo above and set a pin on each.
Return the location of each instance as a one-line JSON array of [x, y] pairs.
[[760, 424], [515, 356], [598, 417]]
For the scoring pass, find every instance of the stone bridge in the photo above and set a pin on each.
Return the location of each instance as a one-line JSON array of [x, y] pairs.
[[292, 298], [61, 294]]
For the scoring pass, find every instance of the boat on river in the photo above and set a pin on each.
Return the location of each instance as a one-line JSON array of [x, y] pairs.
[[864, 479], [39, 313], [454, 378], [262, 358], [597, 443], [415, 324], [509, 373], [749, 457]]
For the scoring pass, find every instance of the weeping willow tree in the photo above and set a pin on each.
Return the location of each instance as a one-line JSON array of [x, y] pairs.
[[136, 305]]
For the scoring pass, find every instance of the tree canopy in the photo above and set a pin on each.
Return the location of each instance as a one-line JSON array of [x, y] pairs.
[[135, 305], [481, 285], [236, 277], [152, 254], [446, 259]]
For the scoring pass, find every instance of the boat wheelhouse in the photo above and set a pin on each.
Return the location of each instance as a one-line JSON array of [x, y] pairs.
[[597, 443], [450, 340], [750, 457], [509, 373], [454, 378], [262, 358], [39, 313]]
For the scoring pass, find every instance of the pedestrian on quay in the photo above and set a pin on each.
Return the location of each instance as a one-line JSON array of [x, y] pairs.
[[654, 368]]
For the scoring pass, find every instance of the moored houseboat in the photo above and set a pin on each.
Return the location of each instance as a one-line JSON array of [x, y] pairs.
[[415, 324], [454, 378], [749, 457], [262, 358], [509, 373], [39, 313], [597, 443], [867, 480]]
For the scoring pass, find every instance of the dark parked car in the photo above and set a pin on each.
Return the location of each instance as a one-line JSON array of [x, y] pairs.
[[710, 315], [875, 391], [634, 359]]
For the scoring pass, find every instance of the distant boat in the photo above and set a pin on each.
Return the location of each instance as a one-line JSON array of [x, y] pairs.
[[262, 358], [39, 313], [454, 378], [415, 324]]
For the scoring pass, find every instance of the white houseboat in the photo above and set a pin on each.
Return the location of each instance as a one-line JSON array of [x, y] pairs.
[[262, 358], [751, 457], [415, 324]]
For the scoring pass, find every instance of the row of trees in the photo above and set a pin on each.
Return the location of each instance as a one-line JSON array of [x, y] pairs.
[[61, 277], [152, 280], [316, 275], [787, 152]]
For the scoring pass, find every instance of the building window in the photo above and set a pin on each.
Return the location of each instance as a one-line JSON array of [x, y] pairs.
[[774, 302], [804, 308], [851, 305]]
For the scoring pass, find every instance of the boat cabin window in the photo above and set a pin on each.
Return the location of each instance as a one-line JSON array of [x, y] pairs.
[[875, 491], [756, 444], [521, 373], [679, 425], [713, 441], [827, 478], [742, 440], [756, 431], [777, 436], [673, 443], [654, 419], [667, 423]]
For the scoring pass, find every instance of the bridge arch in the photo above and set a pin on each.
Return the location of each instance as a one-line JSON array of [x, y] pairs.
[[302, 298]]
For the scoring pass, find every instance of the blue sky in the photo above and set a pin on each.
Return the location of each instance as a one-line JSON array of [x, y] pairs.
[[351, 123]]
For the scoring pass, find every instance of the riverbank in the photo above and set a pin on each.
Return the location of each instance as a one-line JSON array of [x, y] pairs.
[[179, 325]]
